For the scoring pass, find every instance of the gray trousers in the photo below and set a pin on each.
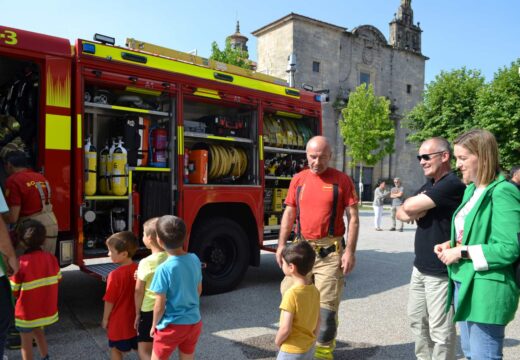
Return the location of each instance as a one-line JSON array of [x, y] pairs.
[[433, 328], [394, 218]]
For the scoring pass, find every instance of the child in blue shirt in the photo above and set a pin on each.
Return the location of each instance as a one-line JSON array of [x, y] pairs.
[[177, 285]]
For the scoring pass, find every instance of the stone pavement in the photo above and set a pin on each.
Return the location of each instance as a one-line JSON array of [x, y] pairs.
[[242, 324]]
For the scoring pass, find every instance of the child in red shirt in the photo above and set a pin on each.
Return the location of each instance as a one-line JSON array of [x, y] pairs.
[[119, 312], [35, 286]]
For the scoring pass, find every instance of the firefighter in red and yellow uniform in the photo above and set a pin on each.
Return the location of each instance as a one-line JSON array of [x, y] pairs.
[[28, 196], [317, 199]]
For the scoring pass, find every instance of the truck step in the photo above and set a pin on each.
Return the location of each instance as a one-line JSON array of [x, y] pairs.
[[100, 270]]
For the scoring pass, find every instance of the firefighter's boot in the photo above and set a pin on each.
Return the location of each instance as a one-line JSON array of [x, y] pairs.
[[325, 351], [326, 342]]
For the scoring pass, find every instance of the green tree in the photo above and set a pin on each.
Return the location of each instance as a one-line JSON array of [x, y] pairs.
[[498, 110], [230, 55], [366, 128], [448, 107]]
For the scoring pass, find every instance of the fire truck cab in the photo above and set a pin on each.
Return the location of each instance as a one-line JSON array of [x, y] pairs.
[[125, 134]]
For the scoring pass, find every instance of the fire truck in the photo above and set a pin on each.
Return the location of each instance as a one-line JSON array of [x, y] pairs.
[[125, 134]]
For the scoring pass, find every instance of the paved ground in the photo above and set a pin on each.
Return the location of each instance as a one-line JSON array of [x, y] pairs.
[[242, 324]]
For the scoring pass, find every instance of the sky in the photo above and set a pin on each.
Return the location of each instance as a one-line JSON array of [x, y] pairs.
[[477, 34]]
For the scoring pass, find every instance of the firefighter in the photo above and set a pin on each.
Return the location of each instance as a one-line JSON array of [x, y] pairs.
[[316, 200], [28, 195]]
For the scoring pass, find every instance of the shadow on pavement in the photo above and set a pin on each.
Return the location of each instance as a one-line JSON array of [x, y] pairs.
[[262, 347], [378, 271]]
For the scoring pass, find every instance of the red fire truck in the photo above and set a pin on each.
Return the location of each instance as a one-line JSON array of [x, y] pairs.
[[124, 134]]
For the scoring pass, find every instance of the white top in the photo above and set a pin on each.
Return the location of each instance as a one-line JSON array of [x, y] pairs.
[[475, 251]]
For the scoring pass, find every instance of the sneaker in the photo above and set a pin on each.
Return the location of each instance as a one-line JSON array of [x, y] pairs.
[[400, 230], [13, 343], [392, 229], [379, 229]]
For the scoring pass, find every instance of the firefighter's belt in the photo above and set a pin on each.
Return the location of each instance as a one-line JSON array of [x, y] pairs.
[[324, 251]]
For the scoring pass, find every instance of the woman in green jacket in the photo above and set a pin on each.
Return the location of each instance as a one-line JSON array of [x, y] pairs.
[[483, 248]]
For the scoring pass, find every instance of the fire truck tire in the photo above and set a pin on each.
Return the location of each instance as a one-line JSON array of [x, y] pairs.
[[222, 246]]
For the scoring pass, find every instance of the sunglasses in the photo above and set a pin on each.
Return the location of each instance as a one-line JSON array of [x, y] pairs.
[[428, 157]]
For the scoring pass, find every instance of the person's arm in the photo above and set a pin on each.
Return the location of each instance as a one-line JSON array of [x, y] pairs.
[[140, 287], [158, 311], [417, 205], [415, 208], [502, 248], [106, 314], [285, 328], [199, 288], [348, 260], [12, 216], [286, 226], [6, 248]]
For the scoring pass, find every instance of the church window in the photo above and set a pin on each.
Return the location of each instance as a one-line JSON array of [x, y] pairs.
[[316, 66], [408, 89], [364, 78]]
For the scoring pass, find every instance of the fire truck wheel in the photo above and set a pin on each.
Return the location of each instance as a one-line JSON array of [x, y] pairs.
[[222, 247]]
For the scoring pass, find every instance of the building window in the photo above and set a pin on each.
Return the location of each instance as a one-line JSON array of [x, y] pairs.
[[364, 78], [316, 66], [408, 89]]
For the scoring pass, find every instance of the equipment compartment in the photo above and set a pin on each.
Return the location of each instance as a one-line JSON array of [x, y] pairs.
[[221, 141], [128, 160]]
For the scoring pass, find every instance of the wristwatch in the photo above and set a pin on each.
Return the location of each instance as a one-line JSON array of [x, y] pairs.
[[464, 253]]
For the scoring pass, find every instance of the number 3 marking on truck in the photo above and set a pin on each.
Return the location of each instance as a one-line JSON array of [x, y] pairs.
[[9, 37]]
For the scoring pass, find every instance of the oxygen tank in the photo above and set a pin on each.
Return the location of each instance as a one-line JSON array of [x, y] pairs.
[[109, 167], [90, 164], [103, 169], [159, 147], [119, 173]]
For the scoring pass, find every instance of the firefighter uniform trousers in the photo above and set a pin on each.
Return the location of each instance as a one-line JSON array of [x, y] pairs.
[[328, 278], [47, 218]]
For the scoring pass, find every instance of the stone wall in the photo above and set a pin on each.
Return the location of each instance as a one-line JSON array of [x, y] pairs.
[[343, 56]]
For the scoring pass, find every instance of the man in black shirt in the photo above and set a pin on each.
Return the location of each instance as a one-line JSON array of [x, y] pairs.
[[432, 208]]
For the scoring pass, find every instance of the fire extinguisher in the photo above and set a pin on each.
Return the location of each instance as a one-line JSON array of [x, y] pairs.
[[90, 168], [136, 211], [159, 147]]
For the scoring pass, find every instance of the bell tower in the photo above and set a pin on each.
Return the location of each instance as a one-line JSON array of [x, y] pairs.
[[238, 41], [404, 34]]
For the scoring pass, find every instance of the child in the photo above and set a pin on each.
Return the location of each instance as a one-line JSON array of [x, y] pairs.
[[144, 298], [118, 315], [177, 284], [300, 307], [35, 286]]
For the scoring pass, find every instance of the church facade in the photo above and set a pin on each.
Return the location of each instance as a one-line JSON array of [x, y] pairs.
[[331, 58]]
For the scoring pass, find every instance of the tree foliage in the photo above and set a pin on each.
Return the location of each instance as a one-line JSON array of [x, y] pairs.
[[459, 100], [365, 126], [448, 106], [230, 55], [498, 110]]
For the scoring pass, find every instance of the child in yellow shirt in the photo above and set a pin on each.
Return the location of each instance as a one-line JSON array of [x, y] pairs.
[[300, 307], [144, 298]]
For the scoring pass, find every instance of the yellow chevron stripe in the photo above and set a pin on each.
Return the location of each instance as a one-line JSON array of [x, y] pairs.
[[37, 322], [180, 142], [57, 132], [51, 280], [261, 147]]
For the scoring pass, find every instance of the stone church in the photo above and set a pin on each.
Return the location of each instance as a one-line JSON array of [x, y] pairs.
[[329, 57]]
